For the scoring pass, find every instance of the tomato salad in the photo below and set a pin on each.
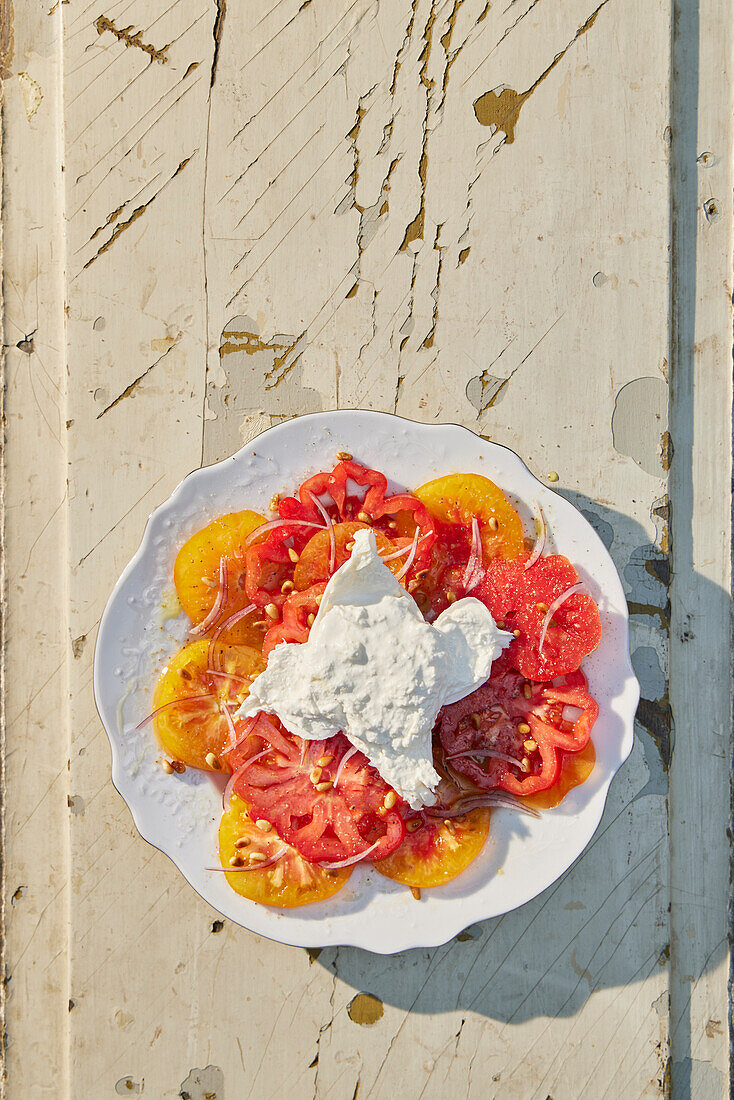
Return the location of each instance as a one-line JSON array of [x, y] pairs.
[[299, 815]]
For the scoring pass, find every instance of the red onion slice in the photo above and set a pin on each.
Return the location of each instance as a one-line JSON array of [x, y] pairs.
[[227, 792], [342, 762], [490, 800], [218, 605], [411, 556], [474, 572], [253, 866], [541, 535], [484, 753], [230, 726], [225, 676], [174, 703], [572, 591], [352, 859], [278, 523], [229, 622], [329, 527]]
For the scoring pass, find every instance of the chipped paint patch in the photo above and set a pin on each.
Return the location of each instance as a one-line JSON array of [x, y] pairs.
[[639, 421], [500, 109], [203, 1084], [126, 1086], [131, 38], [364, 1009], [32, 94]]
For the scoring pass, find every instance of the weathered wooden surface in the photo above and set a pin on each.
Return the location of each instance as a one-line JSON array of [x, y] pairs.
[[458, 211]]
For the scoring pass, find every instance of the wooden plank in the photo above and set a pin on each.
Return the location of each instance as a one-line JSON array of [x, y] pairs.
[[457, 211], [36, 643], [701, 651]]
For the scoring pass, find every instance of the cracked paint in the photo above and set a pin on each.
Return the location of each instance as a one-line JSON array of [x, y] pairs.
[[130, 38], [500, 109], [32, 94]]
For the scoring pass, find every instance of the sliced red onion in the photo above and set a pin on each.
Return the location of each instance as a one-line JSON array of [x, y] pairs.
[[230, 726], [342, 762], [329, 527], [217, 675], [278, 523], [253, 866], [174, 703], [572, 591], [411, 555], [541, 535], [246, 731], [229, 622], [218, 605], [352, 859], [484, 753], [227, 792], [491, 799], [474, 572], [397, 553]]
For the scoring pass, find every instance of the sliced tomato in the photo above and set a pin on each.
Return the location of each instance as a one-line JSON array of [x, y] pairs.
[[396, 515], [330, 824], [576, 767], [458, 498], [191, 695], [314, 563], [283, 878], [509, 732], [196, 571], [294, 626], [519, 598], [435, 851]]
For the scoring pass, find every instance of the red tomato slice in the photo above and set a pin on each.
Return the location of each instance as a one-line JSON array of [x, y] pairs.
[[519, 598], [396, 515], [294, 625], [509, 732], [287, 788]]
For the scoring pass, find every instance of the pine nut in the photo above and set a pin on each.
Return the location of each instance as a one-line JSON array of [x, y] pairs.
[[415, 891], [235, 860], [492, 523], [324, 760], [315, 775], [523, 727], [325, 786], [476, 720], [344, 456], [527, 691], [271, 611], [529, 745], [243, 842], [167, 767], [287, 586], [311, 619], [263, 825], [257, 857], [363, 517], [212, 761], [292, 554], [390, 800]]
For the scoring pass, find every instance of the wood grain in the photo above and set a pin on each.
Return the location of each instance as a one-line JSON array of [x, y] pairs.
[[217, 216]]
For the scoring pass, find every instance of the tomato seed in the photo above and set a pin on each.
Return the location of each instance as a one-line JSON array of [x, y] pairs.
[[184, 674], [413, 825], [527, 691], [178, 766], [476, 721]]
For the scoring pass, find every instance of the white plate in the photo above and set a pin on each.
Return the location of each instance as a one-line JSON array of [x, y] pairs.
[[179, 814]]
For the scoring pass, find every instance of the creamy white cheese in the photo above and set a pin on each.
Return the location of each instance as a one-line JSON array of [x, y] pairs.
[[374, 669]]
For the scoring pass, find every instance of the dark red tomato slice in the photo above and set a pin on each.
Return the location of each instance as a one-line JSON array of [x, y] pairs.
[[519, 599], [324, 799], [294, 625], [510, 732]]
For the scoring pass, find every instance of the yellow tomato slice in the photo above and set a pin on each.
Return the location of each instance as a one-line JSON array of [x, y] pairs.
[[196, 571], [313, 564], [576, 767], [438, 851], [288, 882], [190, 731], [457, 498]]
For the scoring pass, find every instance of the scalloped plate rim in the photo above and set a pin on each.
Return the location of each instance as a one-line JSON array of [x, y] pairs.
[[628, 699]]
